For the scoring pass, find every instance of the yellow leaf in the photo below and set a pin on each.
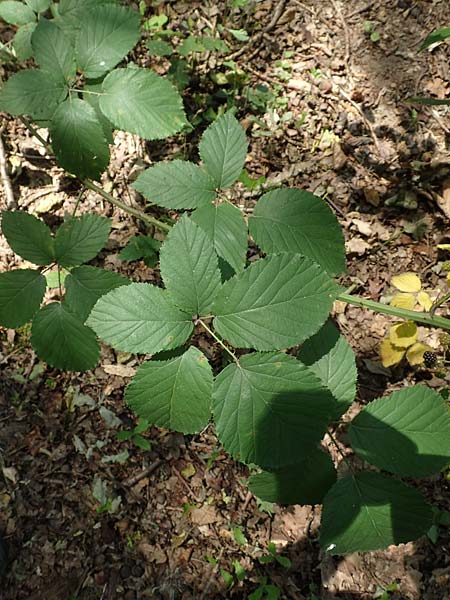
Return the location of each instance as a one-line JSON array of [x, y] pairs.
[[390, 355], [424, 300], [448, 279], [404, 334], [403, 301], [188, 471], [444, 246], [406, 282], [414, 354]]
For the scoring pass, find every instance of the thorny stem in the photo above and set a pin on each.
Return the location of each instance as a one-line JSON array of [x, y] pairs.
[[438, 302], [218, 340]]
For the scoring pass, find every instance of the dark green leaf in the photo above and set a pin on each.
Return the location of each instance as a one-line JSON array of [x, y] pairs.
[[28, 236], [16, 13], [62, 341], [80, 239], [439, 35], [141, 102], [21, 294], [85, 285], [54, 51], [78, 139], [140, 246], [407, 433], [159, 48], [91, 93], [140, 318], [276, 303], [22, 41], [106, 35], [223, 149], [175, 393], [270, 409], [189, 45], [176, 184], [293, 220], [303, 483], [369, 511]]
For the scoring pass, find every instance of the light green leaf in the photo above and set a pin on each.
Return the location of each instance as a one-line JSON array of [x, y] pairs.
[[74, 8], [159, 48], [176, 184], [91, 94], [106, 35], [175, 393], [331, 358], [21, 294], [28, 236], [16, 13], [303, 483], [226, 227], [39, 5], [141, 102], [62, 341], [189, 268], [293, 220], [22, 41], [78, 139], [369, 511], [54, 51], [439, 35], [32, 92], [407, 433], [85, 285], [270, 409], [80, 239], [276, 303], [223, 149], [140, 318]]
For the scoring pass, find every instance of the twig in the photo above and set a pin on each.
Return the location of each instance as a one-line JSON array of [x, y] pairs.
[[337, 8], [6, 182], [132, 481]]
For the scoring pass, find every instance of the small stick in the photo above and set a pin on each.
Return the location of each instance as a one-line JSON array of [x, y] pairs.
[[131, 481], [6, 182]]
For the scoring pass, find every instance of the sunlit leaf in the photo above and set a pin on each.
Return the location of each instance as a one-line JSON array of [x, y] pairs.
[[407, 282], [403, 335], [403, 300], [390, 355]]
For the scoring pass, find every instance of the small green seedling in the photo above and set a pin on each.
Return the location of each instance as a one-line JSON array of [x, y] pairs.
[[274, 556], [135, 435]]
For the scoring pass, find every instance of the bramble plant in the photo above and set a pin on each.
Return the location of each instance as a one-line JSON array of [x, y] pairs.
[[271, 408]]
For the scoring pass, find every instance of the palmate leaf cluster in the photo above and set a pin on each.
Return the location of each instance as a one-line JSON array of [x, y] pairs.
[[77, 93]]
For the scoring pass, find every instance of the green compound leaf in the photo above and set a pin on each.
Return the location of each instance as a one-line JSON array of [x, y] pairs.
[[303, 483], [369, 511], [62, 341], [39, 5], [331, 358], [78, 139], [85, 285], [270, 409], [189, 268], [175, 394], [21, 294], [223, 149], [32, 92], [293, 220], [106, 35], [276, 303], [176, 184], [80, 239], [22, 41], [16, 13], [226, 227], [141, 102], [407, 433], [54, 51], [29, 237], [140, 318]]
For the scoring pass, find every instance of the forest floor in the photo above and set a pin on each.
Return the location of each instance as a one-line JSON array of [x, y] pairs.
[[322, 95]]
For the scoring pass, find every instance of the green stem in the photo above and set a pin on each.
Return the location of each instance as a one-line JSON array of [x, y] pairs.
[[438, 302], [218, 340], [338, 448], [36, 134], [80, 195], [401, 313]]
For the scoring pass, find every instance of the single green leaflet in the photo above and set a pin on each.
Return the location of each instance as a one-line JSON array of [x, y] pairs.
[[80, 239], [22, 41], [174, 393], [141, 102], [85, 285], [91, 94], [54, 51], [303, 483], [275, 303], [223, 149], [407, 433], [38, 5], [21, 294], [369, 511], [62, 341], [106, 34], [78, 139], [270, 409], [16, 13], [140, 318], [176, 184], [28, 236], [226, 227], [294, 220], [439, 35], [189, 267]]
